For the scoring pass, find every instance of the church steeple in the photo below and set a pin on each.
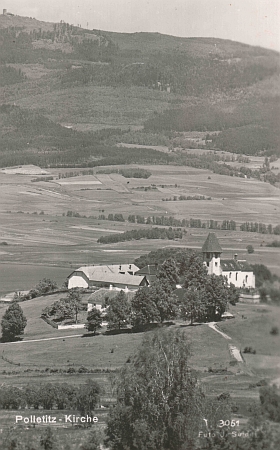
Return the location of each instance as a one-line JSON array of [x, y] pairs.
[[211, 251]]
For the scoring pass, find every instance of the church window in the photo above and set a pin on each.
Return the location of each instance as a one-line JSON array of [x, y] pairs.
[[246, 279], [229, 275], [236, 275], [216, 264]]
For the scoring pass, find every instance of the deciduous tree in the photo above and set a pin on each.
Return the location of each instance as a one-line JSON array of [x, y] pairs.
[[195, 272], [159, 402], [193, 305], [94, 320], [144, 309], [168, 274], [87, 397], [13, 322], [119, 311]]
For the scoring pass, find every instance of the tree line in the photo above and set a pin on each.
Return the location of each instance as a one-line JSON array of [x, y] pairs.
[[151, 233], [128, 173], [83, 398], [257, 227]]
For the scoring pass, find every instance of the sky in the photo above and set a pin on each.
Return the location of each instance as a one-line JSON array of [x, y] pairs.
[[254, 22]]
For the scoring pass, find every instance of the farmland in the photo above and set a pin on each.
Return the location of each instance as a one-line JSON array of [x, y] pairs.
[[42, 239], [38, 232]]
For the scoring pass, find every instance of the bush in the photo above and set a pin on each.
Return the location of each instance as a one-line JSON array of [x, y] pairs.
[[223, 396], [249, 350], [250, 249], [274, 331]]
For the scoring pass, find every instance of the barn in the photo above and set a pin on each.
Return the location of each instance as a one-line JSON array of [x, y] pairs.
[[120, 276]]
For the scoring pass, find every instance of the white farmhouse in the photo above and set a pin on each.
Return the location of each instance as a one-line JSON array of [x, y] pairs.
[[120, 276]]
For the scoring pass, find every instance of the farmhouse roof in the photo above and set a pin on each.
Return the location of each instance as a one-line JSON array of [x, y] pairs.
[[95, 272], [211, 245], [114, 274], [232, 265], [150, 271]]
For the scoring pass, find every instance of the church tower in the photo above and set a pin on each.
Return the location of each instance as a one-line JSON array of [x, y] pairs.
[[211, 251]]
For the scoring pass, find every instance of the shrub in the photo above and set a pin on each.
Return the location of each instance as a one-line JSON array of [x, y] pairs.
[[250, 249], [249, 350], [224, 396], [274, 331]]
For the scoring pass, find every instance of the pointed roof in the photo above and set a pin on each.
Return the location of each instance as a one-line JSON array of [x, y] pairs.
[[211, 245]]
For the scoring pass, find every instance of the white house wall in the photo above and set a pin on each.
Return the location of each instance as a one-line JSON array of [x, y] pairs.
[[77, 281], [241, 279]]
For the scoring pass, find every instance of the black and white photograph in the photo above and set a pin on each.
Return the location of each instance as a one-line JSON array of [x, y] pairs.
[[140, 225]]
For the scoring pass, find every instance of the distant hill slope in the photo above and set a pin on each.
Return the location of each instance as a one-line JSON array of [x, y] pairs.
[[58, 73], [194, 46], [26, 23]]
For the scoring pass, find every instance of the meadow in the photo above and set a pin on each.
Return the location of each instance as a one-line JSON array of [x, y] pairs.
[[45, 361]]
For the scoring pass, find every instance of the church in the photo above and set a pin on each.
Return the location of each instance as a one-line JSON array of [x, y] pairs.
[[239, 273]]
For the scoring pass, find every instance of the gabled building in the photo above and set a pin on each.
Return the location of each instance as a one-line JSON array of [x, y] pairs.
[[239, 273], [150, 272], [120, 276]]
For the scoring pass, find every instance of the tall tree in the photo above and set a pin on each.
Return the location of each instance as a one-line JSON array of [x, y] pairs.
[[119, 311], [74, 301], [94, 320], [193, 305], [87, 397], [159, 403], [66, 308], [196, 272], [144, 309], [13, 322], [168, 274], [166, 303], [217, 296]]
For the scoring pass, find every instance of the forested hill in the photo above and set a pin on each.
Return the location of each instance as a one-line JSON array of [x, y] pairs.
[[94, 79]]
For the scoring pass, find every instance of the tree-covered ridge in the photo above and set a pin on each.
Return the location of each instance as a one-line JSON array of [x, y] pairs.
[[249, 126], [30, 138], [61, 40]]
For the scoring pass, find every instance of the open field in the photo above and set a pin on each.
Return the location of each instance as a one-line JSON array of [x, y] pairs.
[[51, 243], [28, 361]]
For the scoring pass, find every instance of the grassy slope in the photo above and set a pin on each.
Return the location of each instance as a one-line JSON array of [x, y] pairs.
[[113, 351]]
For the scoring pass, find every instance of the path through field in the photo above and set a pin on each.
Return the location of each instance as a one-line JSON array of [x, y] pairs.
[[234, 351]]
